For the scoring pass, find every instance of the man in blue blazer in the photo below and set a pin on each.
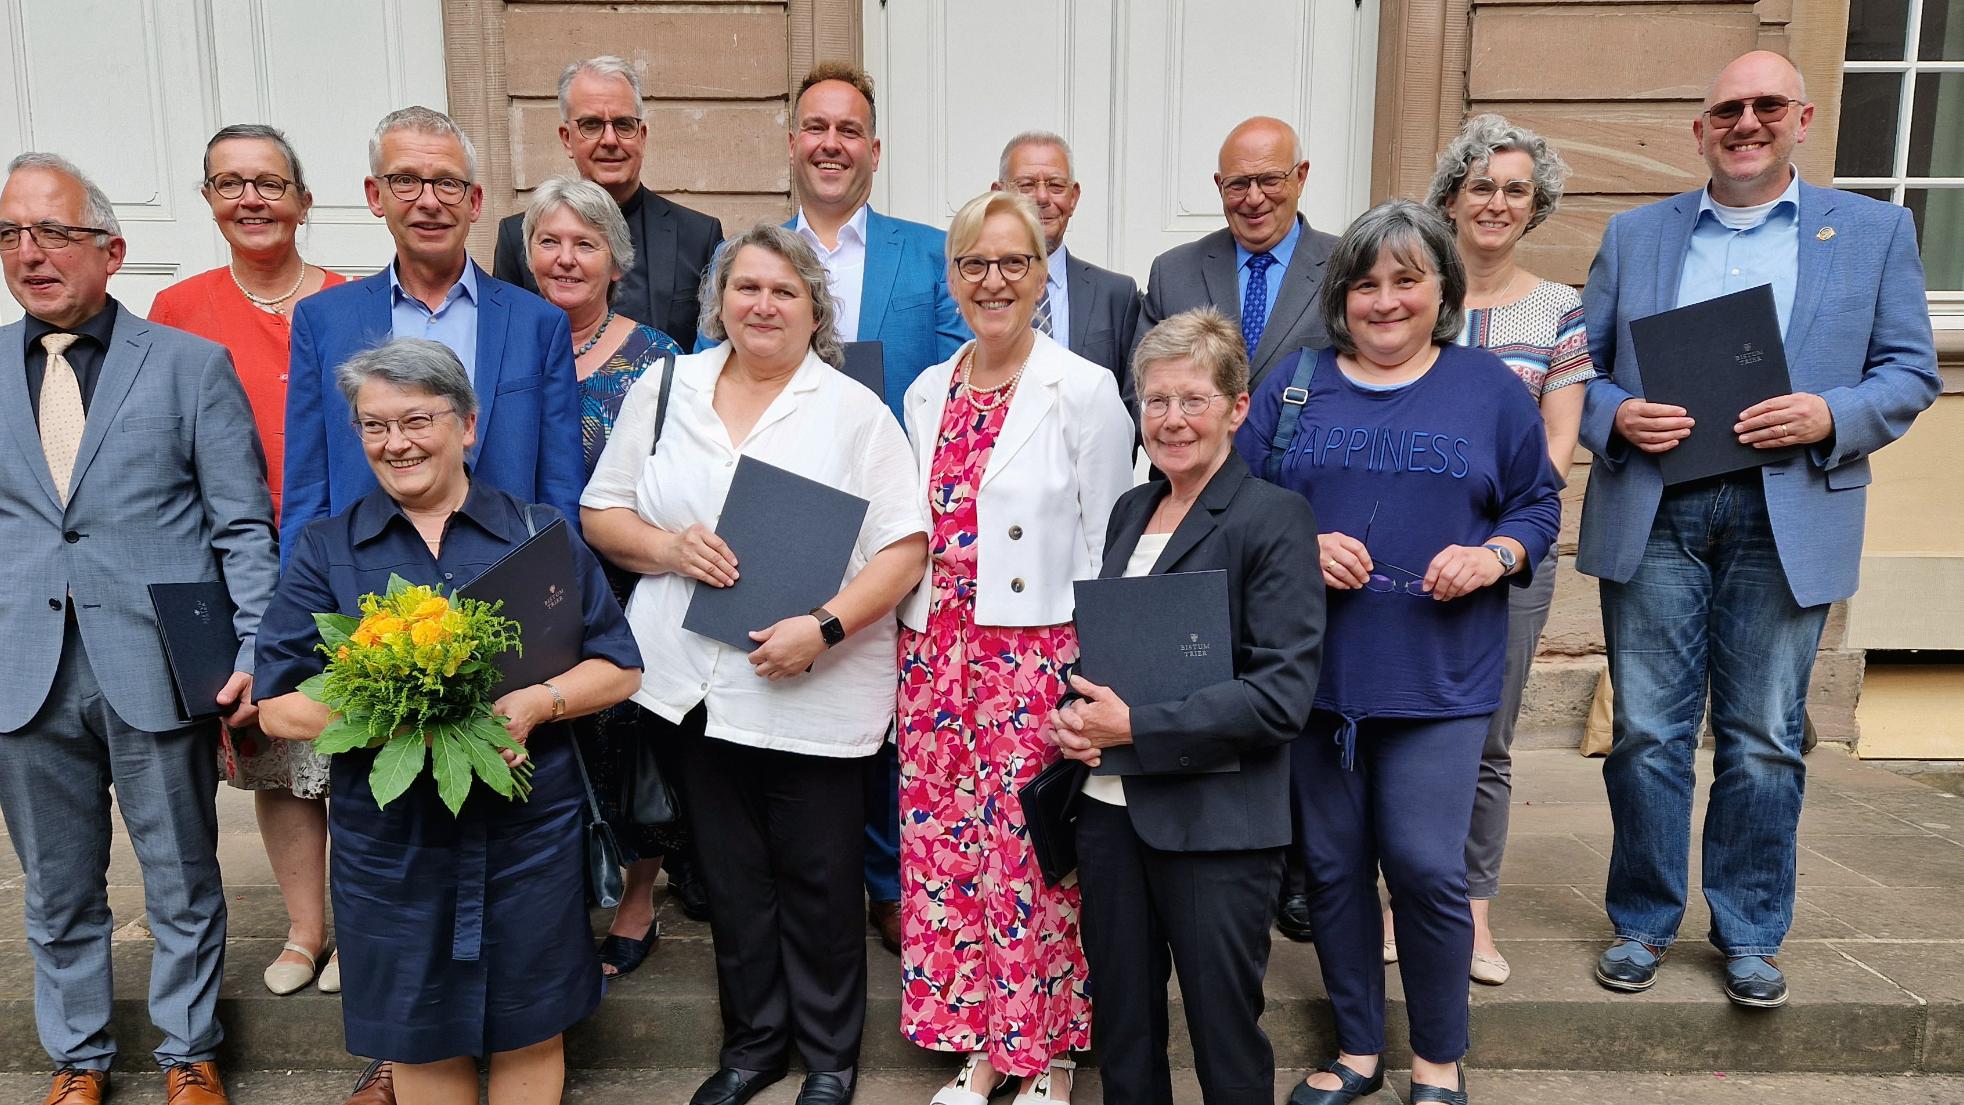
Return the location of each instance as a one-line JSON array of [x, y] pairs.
[[516, 346], [1727, 580], [890, 278]]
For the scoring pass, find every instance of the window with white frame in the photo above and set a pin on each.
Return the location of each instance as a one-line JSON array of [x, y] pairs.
[[1902, 125]]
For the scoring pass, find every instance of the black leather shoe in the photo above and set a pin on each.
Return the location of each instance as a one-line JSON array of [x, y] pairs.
[[729, 1086], [1755, 982], [826, 1089], [1354, 1086], [1292, 917], [688, 891], [1628, 966], [1439, 1095]]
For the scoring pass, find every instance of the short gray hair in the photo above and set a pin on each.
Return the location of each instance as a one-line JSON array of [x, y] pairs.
[[260, 132], [1035, 138], [1419, 236], [95, 202], [796, 252], [412, 364], [420, 120], [593, 206], [606, 65], [1478, 140], [1204, 334]]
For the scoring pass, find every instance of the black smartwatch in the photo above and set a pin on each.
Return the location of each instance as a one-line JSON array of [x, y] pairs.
[[829, 626]]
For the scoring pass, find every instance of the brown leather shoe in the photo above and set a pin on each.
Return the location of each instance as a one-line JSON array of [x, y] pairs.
[[885, 919], [376, 1086], [74, 1086], [193, 1084]]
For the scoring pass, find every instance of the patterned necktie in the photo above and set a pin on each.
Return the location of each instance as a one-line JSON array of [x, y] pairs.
[[1042, 318], [61, 413], [1254, 302]]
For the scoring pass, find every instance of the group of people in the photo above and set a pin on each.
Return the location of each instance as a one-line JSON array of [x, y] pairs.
[[1367, 433]]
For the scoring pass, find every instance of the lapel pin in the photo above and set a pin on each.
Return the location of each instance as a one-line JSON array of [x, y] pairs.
[[1825, 233]]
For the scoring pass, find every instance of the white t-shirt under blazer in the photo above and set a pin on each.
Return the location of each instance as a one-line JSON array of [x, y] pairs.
[[824, 426]]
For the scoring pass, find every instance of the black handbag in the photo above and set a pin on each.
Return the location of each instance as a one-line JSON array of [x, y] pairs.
[[646, 797], [1050, 807], [604, 882]]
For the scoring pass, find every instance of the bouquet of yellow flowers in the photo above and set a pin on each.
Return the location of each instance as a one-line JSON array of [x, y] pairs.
[[415, 671]]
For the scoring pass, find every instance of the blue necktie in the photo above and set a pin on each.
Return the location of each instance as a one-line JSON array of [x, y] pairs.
[[1254, 302]]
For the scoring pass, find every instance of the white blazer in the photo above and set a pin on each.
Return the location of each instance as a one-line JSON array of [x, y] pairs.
[[1063, 458]]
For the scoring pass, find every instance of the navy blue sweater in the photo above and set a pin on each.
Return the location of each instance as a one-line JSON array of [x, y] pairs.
[[1457, 457]]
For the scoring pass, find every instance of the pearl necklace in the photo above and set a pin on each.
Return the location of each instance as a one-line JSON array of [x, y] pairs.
[[272, 305], [595, 339], [999, 394]]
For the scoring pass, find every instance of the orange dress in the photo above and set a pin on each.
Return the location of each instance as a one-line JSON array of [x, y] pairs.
[[211, 306]]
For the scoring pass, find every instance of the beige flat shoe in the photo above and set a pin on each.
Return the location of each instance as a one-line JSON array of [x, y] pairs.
[[1391, 949], [284, 978], [330, 980], [1491, 970]]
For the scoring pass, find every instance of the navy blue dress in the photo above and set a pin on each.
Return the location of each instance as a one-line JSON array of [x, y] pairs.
[[466, 935]]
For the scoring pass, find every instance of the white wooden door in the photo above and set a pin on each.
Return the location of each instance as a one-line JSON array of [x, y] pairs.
[[1144, 90], [131, 89]]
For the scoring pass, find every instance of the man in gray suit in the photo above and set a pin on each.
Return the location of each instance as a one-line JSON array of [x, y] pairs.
[[130, 459], [1092, 312], [1266, 268]]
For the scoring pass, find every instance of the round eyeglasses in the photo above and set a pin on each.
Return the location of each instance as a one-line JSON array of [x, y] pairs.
[[449, 190], [231, 185], [1013, 266]]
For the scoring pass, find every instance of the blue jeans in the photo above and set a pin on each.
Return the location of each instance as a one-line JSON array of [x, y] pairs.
[[1708, 605]]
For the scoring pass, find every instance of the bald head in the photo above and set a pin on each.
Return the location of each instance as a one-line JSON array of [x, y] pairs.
[[1261, 135], [1762, 69], [1261, 182], [1756, 113]]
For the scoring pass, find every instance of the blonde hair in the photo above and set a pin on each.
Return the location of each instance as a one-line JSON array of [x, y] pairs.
[[967, 228]]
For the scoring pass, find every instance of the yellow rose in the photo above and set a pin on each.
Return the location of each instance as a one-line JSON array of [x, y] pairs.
[[427, 632], [431, 608], [385, 626]]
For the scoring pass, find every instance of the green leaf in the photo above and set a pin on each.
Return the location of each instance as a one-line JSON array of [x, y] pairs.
[[397, 585], [342, 735], [485, 761], [451, 766], [396, 767], [335, 629], [314, 688]]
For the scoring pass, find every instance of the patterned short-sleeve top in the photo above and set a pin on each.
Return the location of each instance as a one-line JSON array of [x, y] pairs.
[[1541, 336]]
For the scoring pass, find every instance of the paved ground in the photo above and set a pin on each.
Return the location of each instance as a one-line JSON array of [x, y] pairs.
[[1874, 959]]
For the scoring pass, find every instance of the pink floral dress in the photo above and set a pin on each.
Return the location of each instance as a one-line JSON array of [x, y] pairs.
[[990, 957]]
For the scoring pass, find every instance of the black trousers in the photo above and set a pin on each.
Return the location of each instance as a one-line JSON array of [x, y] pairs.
[[1205, 913], [779, 838]]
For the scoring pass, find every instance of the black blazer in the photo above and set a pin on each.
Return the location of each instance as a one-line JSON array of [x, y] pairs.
[[1104, 315], [673, 246], [1265, 538]]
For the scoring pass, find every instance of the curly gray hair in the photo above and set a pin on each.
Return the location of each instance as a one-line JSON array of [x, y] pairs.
[[1481, 137], [798, 254]]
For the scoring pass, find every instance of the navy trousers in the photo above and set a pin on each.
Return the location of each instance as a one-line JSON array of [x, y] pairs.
[[1406, 808]]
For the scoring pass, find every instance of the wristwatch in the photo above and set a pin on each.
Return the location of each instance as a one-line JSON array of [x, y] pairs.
[[829, 626], [1506, 557]]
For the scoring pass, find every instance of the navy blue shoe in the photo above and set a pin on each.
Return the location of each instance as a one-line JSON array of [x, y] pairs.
[[1354, 1086], [1755, 981], [1629, 966], [1440, 1095]]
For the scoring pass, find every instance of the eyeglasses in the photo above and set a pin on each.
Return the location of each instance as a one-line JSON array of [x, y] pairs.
[[231, 185], [49, 236], [1271, 184], [1013, 266], [408, 186], [1518, 192], [416, 425], [1384, 584], [1767, 109], [1028, 185], [625, 127], [1192, 406]]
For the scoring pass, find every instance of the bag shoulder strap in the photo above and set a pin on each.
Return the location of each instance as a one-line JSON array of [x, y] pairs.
[[1294, 398], [661, 398], [579, 761]]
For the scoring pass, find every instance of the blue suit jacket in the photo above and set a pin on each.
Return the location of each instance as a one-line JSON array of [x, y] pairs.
[[528, 417], [903, 301], [1859, 337]]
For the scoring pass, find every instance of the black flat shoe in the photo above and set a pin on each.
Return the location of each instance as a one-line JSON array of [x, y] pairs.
[[686, 888], [1440, 1095], [826, 1089], [1354, 1086], [624, 953], [1292, 917], [730, 1086]]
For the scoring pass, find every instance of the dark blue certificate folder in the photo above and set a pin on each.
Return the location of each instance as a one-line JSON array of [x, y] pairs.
[[1714, 359], [792, 538], [1154, 639], [200, 643], [541, 592]]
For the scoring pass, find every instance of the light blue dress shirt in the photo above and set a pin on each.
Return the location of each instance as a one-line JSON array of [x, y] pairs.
[[1058, 285], [1283, 252], [454, 323], [1719, 260]]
